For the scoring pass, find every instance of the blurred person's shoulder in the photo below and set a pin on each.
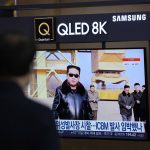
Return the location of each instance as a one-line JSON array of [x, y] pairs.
[[37, 111]]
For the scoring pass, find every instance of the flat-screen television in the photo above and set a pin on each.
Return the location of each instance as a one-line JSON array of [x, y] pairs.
[[102, 94]]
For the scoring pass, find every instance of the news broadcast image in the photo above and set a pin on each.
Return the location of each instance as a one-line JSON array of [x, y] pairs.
[[109, 70]]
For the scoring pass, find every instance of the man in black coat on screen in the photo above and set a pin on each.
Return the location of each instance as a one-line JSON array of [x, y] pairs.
[[24, 124], [137, 94], [71, 98]]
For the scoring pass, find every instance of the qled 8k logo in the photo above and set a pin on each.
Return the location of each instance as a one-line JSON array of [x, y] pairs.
[[44, 29]]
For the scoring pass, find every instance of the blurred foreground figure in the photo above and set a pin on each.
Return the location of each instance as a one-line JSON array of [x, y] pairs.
[[24, 124]]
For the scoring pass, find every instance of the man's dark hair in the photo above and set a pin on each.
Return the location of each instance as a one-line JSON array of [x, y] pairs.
[[92, 85], [136, 84], [126, 86], [144, 86], [16, 53], [73, 66]]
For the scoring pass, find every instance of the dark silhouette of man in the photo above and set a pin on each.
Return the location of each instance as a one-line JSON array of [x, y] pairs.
[[143, 105], [24, 124]]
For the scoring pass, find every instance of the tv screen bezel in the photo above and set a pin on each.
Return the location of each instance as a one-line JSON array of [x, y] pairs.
[[147, 102]]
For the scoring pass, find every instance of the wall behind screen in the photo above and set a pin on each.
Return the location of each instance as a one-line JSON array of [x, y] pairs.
[[95, 144]]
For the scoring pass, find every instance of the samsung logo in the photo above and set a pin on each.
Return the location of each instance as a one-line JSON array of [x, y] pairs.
[[124, 18]]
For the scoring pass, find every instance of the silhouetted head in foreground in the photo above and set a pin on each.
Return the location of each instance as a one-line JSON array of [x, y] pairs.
[[16, 55]]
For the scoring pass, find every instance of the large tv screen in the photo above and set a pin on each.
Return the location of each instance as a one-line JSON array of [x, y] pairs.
[[94, 93]]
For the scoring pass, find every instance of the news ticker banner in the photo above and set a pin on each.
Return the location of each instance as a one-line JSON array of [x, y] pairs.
[[108, 129], [83, 28]]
